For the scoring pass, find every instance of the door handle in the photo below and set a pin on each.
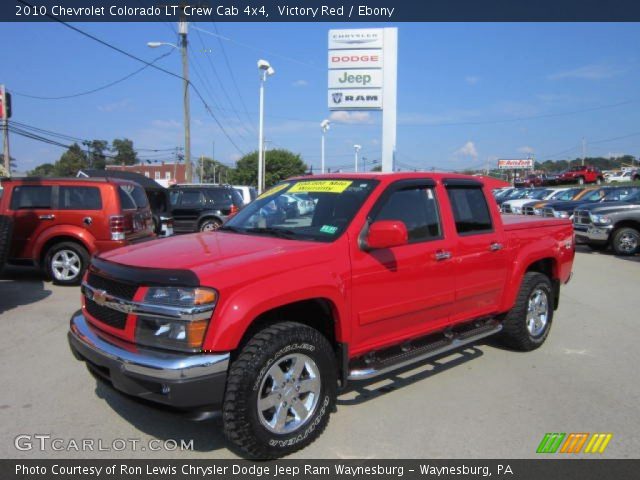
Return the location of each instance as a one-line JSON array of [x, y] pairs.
[[47, 217], [441, 255], [495, 246]]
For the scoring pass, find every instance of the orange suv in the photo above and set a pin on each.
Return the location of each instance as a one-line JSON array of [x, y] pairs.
[[58, 223]]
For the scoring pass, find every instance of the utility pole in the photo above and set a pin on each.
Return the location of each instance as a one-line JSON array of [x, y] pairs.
[[201, 168], [4, 116], [584, 150], [182, 28]]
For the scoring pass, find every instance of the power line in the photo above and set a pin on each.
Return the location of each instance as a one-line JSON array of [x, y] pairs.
[[138, 59], [233, 78], [93, 90]]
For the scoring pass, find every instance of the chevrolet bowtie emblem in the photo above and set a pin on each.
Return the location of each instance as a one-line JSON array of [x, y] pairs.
[[100, 297]]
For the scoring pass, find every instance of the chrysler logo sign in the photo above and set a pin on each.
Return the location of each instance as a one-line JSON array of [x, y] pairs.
[[361, 38]]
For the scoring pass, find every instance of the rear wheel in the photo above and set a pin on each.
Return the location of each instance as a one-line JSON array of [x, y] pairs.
[[66, 262], [281, 390], [210, 225], [626, 241], [527, 324]]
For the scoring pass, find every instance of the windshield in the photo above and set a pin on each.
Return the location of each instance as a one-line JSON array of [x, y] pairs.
[[520, 193], [538, 194], [318, 210], [621, 194]]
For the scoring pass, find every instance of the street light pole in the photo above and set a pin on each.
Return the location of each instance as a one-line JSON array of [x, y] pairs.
[[265, 71], [357, 149], [324, 125]]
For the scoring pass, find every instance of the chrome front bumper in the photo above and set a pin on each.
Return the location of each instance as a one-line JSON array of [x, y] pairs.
[[180, 380], [592, 233]]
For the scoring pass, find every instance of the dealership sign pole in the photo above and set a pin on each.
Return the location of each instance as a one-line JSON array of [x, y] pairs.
[[363, 76]]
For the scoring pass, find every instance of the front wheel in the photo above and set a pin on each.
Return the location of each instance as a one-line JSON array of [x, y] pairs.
[[280, 392], [527, 324], [626, 241], [210, 225]]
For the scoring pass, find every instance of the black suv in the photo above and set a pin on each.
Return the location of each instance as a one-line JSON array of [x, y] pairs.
[[203, 207]]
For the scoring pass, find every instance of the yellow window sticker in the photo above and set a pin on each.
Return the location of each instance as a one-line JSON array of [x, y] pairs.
[[324, 186], [273, 190]]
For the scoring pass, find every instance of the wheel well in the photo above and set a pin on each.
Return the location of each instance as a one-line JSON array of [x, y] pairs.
[[316, 313], [547, 266], [627, 223], [52, 241]]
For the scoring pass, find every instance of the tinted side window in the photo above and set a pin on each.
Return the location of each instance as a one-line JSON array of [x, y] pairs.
[[416, 207], [191, 198], [126, 200], [31, 196], [79, 198], [470, 210]]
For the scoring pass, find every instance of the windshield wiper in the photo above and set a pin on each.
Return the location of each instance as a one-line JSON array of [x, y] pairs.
[[276, 232], [227, 228]]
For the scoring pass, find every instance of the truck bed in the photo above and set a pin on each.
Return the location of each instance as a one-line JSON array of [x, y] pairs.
[[521, 222]]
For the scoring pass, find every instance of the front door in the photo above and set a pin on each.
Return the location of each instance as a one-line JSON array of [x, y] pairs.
[[408, 290]]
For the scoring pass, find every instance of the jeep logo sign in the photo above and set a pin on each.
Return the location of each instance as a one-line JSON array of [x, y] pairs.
[[368, 98], [355, 59], [355, 78]]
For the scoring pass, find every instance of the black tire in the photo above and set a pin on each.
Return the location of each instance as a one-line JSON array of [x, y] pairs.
[[626, 241], [6, 232], [243, 420], [515, 332], [599, 181], [209, 225], [598, 247], [74, 250], [580, 181]]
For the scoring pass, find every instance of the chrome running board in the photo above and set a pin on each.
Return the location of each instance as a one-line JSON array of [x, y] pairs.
[[378, 363]]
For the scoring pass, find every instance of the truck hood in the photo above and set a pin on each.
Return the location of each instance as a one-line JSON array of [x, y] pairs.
[[209, 253], [610, 207]]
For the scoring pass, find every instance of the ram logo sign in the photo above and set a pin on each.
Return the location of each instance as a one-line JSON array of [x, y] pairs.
[[355, 98], [574, 442]]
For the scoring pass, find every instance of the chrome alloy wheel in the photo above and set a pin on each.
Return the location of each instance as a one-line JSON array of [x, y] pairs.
[[289, 393], [628, 243], [66, 265], [537, 312]]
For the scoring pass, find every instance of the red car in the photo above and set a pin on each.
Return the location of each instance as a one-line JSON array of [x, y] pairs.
[[59, 223], [267, 321], [581, 175]]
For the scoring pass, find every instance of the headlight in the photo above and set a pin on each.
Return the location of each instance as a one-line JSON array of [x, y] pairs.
[[602, 219], [191, 306], [561, 214], [537, 211]]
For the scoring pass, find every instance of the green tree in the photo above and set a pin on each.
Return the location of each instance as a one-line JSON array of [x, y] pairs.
[[213, 170], [71, 161], [97, 156], [124, 152], [44, 170], [280, 164]]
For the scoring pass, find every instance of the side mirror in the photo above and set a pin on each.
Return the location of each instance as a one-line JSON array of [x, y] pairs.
[[386, 234]]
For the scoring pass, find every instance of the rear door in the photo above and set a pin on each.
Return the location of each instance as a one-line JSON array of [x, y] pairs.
[[408, 290], [189, 203], [481, 258], [81, 206], [32, 211]]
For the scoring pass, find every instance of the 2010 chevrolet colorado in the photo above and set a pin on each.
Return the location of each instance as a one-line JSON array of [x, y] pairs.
[[267, 318]]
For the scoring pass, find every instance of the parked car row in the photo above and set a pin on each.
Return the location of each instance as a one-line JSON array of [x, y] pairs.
[[57, 224], [605, 216], [581, 175]]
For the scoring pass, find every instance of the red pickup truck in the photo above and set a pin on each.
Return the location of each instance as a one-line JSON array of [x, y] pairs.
[[268, 317], [581, 175]]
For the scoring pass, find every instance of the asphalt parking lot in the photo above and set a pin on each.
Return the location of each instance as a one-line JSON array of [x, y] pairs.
[[483, 402]]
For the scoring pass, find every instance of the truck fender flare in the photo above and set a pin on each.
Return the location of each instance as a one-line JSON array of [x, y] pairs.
[[243, 308]]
